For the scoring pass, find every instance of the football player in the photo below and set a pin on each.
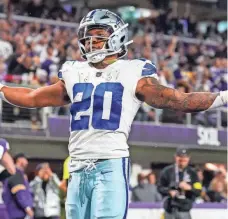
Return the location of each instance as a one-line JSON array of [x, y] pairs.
[[105, 93]]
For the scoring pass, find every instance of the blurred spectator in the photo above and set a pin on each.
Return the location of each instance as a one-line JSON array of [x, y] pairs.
[[145, 113], [214, 171], [146, 191], [53, 78], [1, 6], [6, 48], [180, 186], [3, 69], [48, 56], [16, 194], [217, 191], [220, 175], [203, 196], [40, 79], [181, 74], [36, 8], [45, 187], [20, 62]]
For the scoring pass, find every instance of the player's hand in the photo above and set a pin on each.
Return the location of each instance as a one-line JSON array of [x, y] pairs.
[[49, 172], [41, 173], [29, 212], [185, 186], [173, 193]]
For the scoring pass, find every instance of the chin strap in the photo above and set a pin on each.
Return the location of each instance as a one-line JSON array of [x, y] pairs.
[[110, 61]]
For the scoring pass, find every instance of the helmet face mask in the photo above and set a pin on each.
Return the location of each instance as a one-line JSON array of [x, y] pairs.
[[102, 26], [94, 38]]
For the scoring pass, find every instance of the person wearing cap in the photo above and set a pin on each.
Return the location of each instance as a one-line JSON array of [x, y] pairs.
[[16, 191], [6, 160], [180, 186]]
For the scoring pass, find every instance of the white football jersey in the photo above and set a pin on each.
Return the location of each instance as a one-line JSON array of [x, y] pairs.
[[103, 106]]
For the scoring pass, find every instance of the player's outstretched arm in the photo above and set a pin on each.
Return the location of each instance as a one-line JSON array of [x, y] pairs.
[[53, 95], [7, 162], [150, 91]]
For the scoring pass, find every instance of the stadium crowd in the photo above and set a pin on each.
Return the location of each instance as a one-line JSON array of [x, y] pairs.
[[212, 176], [45, 193], [32, 53]]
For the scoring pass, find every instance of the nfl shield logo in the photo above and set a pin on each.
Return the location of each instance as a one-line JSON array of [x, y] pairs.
[[98, 74]]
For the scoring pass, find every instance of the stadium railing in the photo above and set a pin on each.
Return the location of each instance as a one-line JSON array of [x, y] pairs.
[[75, 25], [40, 20]]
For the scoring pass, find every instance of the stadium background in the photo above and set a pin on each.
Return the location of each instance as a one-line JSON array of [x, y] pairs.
[[185, 39]]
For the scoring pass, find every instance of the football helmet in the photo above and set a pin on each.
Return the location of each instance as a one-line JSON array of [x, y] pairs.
[[115, 43]]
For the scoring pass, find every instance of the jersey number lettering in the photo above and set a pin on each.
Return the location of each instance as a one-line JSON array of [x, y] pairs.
[[106, 107]]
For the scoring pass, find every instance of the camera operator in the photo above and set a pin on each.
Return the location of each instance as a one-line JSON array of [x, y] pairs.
[[179, 184]]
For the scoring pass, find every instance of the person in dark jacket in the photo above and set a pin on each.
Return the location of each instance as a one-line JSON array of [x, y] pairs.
[[179, 184], [16, 192]]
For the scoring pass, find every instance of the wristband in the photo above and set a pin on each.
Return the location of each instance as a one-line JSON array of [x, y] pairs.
[[2, 96], [1, 93], [220, 100]]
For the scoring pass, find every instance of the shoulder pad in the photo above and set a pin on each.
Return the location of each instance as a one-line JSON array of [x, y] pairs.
[[65, 67], [148, 68]]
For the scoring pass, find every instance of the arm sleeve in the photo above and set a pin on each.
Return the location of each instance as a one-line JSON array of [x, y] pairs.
[[18, 188], [56, 180], [163, 184], [147, 69], [64, 68]]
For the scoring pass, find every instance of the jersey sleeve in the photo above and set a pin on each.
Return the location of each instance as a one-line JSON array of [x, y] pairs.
[[147, 69], [64, 69], [18, 189], [4, 146], [144, 68]]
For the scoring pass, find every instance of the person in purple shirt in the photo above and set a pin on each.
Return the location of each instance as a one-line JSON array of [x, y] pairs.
[[6, 160], [16, 191]]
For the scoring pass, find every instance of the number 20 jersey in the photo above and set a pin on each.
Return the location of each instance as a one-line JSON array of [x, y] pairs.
[[103, 106]]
